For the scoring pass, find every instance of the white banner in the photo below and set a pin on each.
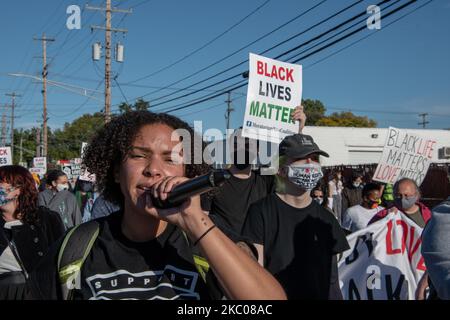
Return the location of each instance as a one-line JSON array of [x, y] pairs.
[[405, 154], [274, 90], [384, 261], [5, 156]]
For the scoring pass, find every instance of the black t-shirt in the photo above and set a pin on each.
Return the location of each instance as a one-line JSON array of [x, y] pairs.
[[235, 196], [118, 268], [299, 244]]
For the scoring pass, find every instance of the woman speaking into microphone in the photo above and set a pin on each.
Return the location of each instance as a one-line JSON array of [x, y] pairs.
[[143, 252]]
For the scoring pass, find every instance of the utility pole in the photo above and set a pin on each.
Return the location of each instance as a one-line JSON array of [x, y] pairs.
[[424, 122], [4, 128], [44, 40], [21, 146], [108, 28], [13, 96], [38, 142], [229, 109]]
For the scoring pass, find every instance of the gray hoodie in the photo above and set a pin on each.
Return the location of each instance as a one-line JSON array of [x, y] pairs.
[[64, 203], [436, 249]]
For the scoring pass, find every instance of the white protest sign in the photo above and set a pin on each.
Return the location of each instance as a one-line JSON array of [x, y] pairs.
[[84, 174], [83, 146], [39, 171], [5, 156], [384, 261], [274, 90], [405, 154], [67, 169], [40, 162]]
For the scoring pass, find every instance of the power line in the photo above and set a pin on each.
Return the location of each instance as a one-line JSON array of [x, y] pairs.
[[80, 106], [239, 50], [277, 57], [241, 63], [240, 84], [203, 46], [367, 36]]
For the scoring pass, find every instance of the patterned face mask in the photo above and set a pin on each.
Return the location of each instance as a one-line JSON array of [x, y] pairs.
[[4, 195], [306, 176]]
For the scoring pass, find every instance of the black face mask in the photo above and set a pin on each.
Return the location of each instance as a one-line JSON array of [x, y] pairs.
[[239, 164]]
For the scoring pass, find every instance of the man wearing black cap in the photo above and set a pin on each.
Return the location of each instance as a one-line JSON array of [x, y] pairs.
[[230, 204], [296, 238]]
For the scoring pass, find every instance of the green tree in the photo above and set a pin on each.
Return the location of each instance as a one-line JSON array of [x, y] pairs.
[[28, 138], [314, 110], [65, 143], [140, 104], [346, 119]]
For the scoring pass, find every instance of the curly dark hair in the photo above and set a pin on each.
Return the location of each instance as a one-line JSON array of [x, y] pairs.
[[53, 175], [19, 177], [112, 143]]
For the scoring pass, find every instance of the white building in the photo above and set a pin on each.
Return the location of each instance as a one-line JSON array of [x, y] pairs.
[[354, 146], [359, 146]]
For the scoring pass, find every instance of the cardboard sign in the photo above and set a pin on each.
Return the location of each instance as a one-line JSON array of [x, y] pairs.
[[384, 261], [405, 155], [274, 90], [5, 156]]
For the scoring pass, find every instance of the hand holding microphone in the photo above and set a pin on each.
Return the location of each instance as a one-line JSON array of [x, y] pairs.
[[196, 186]]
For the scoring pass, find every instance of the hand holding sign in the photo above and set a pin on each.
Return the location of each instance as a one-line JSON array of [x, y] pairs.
[[300, 116]]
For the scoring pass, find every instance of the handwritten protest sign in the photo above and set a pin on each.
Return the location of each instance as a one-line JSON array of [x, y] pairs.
[[405, 154], [384, 261], [5, 156], [39, 171], [84, 174], [40, 162], [274, 90]]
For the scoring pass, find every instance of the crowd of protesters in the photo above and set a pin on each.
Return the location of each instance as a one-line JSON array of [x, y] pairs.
[[254, 237]]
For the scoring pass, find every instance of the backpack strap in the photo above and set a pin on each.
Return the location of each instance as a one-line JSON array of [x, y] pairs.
[[74, 250], [201, 264]]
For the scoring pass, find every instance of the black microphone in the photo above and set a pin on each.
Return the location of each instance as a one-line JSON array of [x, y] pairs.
[[195, 186]]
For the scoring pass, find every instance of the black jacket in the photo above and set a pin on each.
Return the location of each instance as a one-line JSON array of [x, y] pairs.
[[34, 240]]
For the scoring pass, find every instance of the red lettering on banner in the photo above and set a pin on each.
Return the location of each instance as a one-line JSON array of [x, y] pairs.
[[413, 248], [413, 244], [386, 173], [421, 265], [260, 67], [389, 249], [3, 152], [280, 73], [430, 153]]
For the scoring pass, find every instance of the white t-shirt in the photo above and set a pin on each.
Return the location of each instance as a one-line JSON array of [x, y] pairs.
[[357, 217], [335, 188]]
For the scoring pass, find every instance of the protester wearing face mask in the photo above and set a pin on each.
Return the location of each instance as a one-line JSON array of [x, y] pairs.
[[26, 231], [318, 195], [296, 238], [228, 207], [352, 193], [407, 200], [357, 217], [58, 198]]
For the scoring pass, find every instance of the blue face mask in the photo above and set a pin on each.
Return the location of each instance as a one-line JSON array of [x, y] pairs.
[[4, 195]]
